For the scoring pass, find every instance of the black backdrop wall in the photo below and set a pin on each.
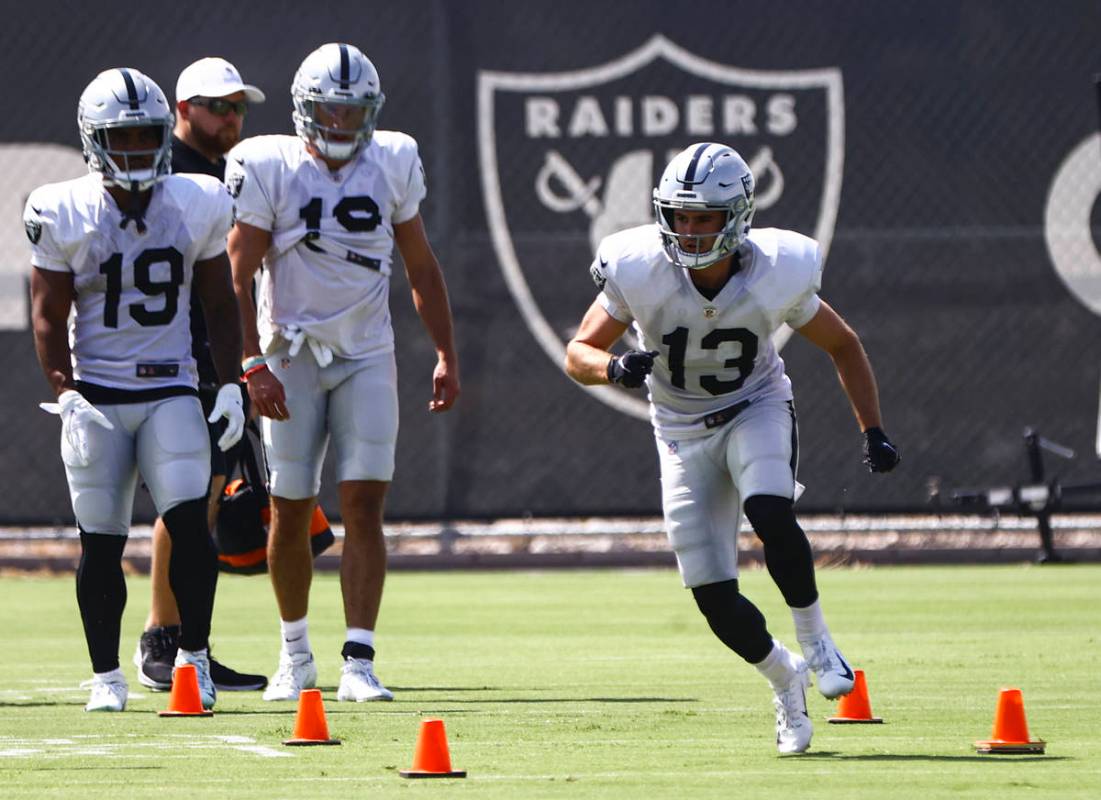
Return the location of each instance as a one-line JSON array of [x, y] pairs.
[[945, 152]]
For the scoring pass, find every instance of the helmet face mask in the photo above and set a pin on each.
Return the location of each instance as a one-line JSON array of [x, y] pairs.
[[337, 98], [125, 125], [704, 177]]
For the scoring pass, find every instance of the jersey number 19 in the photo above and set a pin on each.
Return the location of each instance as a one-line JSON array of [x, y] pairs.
[[143, 280]]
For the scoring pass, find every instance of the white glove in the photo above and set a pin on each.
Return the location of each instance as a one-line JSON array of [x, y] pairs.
[[322, 353], [229, 404], [76, 415]]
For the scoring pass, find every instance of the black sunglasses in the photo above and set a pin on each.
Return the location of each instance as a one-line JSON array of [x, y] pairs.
[[219, 107]]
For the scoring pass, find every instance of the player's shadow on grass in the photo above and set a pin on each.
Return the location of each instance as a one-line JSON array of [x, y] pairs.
[[42, 704], [835, 756]]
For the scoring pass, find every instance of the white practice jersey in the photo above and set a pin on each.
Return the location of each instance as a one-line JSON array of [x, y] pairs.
[[712, 353], [328, 269], [132, 327]]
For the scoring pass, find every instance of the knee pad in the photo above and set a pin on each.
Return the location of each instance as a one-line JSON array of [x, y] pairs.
[[772, 517], [788, 554], [184, 519], [737, 623]]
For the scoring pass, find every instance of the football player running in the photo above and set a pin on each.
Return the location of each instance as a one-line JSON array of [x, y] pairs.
[[321, 212], [123, 245], [705, 294]]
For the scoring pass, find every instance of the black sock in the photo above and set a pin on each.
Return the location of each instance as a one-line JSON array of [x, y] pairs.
[[101, 596], [192, 571], [738, 623], [788, 555]]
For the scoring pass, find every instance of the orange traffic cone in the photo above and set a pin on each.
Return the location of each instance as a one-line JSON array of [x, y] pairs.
[[184, 701], [855, 707], [1010, 727], [431, 759], [310, 726]]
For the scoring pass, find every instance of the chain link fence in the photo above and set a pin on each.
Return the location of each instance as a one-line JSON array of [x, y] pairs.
[[946, 154]]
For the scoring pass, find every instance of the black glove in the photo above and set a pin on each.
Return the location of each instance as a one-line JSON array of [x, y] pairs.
[[631, 368], [880, 455]]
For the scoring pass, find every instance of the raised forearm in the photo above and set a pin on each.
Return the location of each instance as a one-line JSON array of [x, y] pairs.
[[587, 364]]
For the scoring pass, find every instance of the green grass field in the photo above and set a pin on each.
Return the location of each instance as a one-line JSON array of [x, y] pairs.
[[581, 684]]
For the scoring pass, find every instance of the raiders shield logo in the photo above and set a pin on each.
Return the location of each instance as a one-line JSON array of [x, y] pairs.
[[33, 226], [568, 158], [234, 181]]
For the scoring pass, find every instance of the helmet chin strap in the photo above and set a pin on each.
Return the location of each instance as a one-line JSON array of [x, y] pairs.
[[135, 212], [135, 208]]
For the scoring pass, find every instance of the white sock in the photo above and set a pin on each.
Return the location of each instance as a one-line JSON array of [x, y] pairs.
[[809, 622], [187, 656], [112, 676], [777, 666], [296, 638], [360, 636]]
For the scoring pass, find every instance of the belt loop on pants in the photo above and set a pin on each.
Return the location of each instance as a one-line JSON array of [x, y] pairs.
[[724, 415]]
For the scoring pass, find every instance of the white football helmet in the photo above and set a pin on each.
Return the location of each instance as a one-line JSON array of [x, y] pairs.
[[125, 98], [705, 176], [337, 75]]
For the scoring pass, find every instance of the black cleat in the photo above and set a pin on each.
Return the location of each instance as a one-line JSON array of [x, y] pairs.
[[155, 657], [229, 680]]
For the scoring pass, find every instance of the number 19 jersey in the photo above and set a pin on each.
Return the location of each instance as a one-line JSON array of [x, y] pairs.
[[713, 353], [328, 268], [131, 330]]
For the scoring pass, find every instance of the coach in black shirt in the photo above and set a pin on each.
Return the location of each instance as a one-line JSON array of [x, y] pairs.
[[211, 104]]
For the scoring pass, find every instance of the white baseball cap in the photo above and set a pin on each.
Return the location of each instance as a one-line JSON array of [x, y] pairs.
[[213, 77]]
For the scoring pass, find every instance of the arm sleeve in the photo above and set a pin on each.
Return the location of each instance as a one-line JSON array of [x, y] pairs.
[[610, 298], [805, 305], [415, 191], [222, 216], [254, 205], [40, 223]]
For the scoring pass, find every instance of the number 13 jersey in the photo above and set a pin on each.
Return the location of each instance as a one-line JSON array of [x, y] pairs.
[[328, 268], [131, 329], [712, 353]]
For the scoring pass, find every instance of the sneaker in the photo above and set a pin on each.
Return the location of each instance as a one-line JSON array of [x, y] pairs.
[[793, 728], [296, 672], [834, 676], [358, 682], [109, 692], [155, 656], [230, 680], [207, 693]]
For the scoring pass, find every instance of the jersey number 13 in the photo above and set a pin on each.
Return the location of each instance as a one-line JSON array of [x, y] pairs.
[[677, 341]]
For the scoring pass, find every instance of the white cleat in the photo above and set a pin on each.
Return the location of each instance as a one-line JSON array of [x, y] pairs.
[[207, 693], [358, 682], [793, 728], [296, 672], [109, 692], [834, 675]]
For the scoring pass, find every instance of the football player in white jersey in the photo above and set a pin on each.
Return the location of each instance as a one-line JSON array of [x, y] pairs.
[[704, 295], [123, 245], [321, 213]]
